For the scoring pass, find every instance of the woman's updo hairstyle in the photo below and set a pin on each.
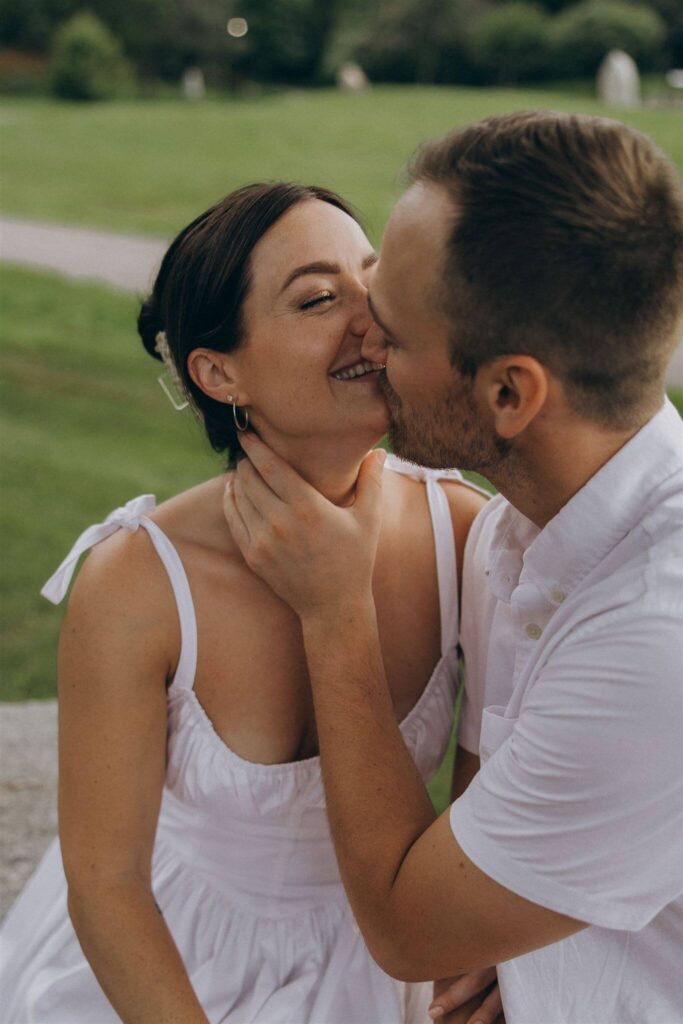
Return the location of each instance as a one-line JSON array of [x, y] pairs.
[[203, 281]]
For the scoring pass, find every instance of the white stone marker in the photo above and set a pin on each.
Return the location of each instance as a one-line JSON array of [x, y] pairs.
[[618, 81], [194, 87]]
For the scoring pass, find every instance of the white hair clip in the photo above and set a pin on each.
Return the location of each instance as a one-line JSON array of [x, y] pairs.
[[170, 381]]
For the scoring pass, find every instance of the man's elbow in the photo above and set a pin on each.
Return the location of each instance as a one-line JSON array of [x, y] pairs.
[[411, 954], [399, 956]]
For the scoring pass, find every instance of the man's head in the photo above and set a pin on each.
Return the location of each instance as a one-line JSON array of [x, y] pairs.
[[534, 254]]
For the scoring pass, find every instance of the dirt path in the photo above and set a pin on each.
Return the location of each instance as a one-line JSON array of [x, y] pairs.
[[122, 261], [28, 790]]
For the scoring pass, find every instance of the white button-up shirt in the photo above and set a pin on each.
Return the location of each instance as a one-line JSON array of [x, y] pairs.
[[573, 641]]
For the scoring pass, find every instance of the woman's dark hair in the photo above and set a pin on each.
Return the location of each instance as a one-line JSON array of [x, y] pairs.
[[204, 279]]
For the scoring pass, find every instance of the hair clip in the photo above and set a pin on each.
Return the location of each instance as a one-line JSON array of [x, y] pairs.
[[170, 381]]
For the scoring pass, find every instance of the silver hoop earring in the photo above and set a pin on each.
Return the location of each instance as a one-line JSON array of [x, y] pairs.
[[240, 426]]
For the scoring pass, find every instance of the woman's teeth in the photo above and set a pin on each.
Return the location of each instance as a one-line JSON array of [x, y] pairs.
[[359, 370]]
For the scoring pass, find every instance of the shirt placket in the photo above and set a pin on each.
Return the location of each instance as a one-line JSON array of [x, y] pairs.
[[531, 613]]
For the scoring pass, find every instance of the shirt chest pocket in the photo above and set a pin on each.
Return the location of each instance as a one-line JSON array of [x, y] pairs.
[[495, 729]]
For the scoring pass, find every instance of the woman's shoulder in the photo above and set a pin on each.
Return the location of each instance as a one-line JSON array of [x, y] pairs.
[[194, 518], [407, 480], [407, 487]]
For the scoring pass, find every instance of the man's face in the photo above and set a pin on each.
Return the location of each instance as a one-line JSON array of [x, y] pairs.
[[435, 420]]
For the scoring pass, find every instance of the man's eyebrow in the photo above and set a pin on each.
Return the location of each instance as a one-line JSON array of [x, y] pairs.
[[378, 320], [323, 267]]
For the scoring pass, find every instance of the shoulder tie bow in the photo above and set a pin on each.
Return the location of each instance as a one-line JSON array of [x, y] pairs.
[[128, 517]]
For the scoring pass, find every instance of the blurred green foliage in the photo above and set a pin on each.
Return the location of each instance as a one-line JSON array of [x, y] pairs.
[[584, 33], [86, 62], [512, 43], [304, 42]]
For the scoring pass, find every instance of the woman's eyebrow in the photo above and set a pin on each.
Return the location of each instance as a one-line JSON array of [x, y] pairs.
[[323, 267]]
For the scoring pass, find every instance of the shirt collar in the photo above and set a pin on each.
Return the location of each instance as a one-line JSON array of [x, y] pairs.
[[606, 508]]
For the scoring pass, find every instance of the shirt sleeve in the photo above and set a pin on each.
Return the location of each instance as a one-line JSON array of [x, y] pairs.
[[579, 808]]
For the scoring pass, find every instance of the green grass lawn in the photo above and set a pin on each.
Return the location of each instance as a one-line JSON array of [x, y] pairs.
[[85, 427], [151, 166]]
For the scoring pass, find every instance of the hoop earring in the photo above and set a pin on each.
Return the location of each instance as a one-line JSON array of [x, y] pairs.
[[240, 426]]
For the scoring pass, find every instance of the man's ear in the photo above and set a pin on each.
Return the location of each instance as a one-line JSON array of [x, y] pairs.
[[513, 390], [214, 373]]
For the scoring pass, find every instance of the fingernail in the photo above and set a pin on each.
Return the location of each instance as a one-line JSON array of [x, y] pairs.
[[436, 1011]]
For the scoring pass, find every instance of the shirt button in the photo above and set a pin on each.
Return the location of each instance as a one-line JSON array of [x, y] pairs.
[[533, 631], [557, 595]]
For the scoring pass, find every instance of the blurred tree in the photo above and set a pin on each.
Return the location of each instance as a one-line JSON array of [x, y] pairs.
[[584, 33], [512, 43], [671, 13], [286, 41], [418, 41], [87, 62]]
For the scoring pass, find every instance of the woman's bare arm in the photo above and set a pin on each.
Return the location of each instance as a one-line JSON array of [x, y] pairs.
[[118, 644]]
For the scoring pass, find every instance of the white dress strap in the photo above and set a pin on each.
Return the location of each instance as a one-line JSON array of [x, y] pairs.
[[167, 552], [444, 542], [130, 517]]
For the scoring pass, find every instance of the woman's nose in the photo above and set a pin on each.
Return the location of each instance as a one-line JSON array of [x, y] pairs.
[[374, 345], [362, 319]]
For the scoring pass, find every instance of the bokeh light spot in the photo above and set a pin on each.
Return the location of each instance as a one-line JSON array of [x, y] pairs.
[[238, 27]]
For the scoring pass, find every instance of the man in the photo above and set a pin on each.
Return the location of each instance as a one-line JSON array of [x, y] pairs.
[[528, 297]]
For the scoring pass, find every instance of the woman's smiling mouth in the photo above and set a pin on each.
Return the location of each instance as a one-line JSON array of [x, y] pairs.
[[359, 369]]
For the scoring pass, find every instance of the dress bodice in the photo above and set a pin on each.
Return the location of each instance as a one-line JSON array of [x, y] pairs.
[[259, 832]]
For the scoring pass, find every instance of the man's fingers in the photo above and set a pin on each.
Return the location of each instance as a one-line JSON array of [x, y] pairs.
[[255, 488], [462, 990], [369, 487], [280, 477], [249, 513], [234, 519], [490, 1011]]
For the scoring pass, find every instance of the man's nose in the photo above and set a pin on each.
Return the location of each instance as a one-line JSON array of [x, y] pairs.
[[374, 346]]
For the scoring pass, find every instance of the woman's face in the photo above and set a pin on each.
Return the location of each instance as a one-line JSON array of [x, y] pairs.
[[299, 369]]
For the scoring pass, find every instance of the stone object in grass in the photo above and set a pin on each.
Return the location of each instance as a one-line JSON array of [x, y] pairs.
[[618, 81], [352, 78], [674, 78], [193, 84]]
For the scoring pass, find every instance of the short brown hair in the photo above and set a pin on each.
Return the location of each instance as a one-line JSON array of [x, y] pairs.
[[567, 244]]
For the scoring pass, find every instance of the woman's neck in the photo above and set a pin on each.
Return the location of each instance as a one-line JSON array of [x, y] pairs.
[[331, 466]]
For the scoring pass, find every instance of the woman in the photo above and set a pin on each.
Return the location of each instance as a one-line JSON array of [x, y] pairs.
[[197, 864]]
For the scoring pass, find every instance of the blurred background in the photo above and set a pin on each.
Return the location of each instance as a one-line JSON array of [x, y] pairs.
[[122, 120]]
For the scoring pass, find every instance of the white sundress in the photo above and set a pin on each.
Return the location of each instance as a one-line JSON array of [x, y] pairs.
[[244, 870]]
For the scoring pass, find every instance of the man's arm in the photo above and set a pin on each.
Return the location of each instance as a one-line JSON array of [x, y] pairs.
[[425, 910]]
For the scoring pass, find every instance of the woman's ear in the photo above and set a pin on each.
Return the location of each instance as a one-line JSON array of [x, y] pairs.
[[214, 373], [513, 390]]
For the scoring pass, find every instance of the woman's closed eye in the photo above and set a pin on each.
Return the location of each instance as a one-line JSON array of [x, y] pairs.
[[317, 300]]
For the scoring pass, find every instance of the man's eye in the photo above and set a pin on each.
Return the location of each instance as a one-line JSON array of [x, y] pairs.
[[325, 297]]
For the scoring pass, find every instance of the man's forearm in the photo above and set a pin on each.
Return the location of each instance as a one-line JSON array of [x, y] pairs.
[[377, 802]]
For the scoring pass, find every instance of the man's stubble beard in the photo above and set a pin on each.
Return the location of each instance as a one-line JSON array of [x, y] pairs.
[[447, 434]]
